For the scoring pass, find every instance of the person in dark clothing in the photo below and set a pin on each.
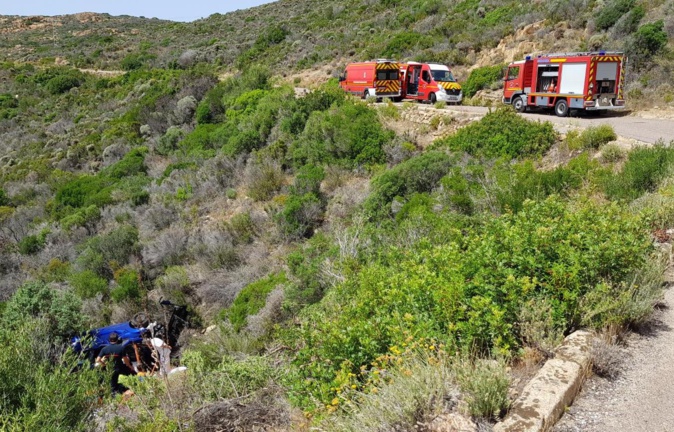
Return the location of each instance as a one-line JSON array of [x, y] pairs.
[[117, 354]]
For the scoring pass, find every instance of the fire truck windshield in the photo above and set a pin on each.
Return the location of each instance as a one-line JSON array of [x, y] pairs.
[[442, 75]]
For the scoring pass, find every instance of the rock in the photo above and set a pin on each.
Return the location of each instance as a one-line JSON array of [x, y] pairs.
[[451, 423]]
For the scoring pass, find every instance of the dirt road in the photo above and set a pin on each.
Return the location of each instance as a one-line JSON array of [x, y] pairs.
[[642, 398], [631, 127]]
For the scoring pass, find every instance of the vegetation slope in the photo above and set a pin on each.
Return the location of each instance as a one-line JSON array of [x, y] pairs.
[[338, 261]]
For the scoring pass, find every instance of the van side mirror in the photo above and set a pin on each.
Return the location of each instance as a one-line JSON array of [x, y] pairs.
[[342, 78]]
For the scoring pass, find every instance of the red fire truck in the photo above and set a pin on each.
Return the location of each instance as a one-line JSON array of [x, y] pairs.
[[429, 82], [379, 78], [583, 81]]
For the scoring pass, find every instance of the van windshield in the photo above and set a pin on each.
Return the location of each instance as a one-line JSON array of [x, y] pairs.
[[387, 75], [442, 75]]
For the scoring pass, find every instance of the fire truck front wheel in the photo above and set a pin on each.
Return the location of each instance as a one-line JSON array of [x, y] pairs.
[[518, 104], [432, 98], [562, 108]]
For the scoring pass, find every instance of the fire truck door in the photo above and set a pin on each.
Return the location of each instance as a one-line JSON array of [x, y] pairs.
[[424, 83]]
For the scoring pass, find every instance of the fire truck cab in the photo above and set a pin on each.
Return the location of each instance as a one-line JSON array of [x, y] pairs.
[[379, 78], [429, 82], [583, 81]]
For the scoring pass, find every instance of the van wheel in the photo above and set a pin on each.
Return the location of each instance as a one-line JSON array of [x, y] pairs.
[[562, 108], [518, 104], [366, 94], [432, 98]]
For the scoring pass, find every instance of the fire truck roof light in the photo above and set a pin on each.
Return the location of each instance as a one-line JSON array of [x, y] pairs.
[[602, 52], [527, 58]]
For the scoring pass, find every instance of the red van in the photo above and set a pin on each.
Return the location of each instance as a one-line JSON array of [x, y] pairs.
[[380, 79], [429, 82]]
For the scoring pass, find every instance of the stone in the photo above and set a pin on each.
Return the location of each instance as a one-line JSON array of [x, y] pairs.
[[451, 423]]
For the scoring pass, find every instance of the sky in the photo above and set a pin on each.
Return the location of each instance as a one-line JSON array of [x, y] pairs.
[[175, 10]]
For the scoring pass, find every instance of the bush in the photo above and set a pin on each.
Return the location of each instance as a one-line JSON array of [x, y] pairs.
[[644, 169], [252, 298], [59, 310], [648, 40], [481, 78], [596, 136], [128, 286], [88, 284], [350, 135], [416, 175], [612, 153], [242, 228], [300, 215], [39, 389], [32, 244], [468, 290], [502, 133], [611, 13], [485, 384], [418, 391]]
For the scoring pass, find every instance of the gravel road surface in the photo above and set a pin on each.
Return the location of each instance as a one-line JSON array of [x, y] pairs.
[[641, 399]]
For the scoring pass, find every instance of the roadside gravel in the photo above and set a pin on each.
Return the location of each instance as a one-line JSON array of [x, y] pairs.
[[641, 399]]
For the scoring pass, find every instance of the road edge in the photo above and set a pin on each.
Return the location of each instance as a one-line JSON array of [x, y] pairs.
[[546, 397]]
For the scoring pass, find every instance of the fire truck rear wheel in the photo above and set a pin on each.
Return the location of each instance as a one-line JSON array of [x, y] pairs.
[[518, 104], [562, 108], [432, 98]]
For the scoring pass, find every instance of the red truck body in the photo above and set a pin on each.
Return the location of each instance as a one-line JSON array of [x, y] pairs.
[[583, 81], [380, 78]]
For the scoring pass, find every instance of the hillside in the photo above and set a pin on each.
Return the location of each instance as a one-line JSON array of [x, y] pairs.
[[334, 258]]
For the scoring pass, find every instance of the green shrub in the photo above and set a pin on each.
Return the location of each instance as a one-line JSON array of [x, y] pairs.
[[128, 285], [648, 40], [133, 163], [253, 298], [300, 216], [33, 244], [405, 41], [4, 199], [502, 133], [596, 136], [39, 389], [306, 266], [59, 310], [612, 153], [104, 253], [481, 78], [467, 292], [642, 172], [419, 174], [86, 217], [169, 141], [611, 13], [88, 284], [349, 134]]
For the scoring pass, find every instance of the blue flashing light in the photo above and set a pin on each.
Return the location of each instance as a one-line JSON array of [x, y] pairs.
[[527, 58], [602, 52]]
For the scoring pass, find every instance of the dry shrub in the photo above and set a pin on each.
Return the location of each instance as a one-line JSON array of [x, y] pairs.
[[168, 248], [416, 393], [607, 358], [259, 324], [263, 178], [537, 326], [266, 410]]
